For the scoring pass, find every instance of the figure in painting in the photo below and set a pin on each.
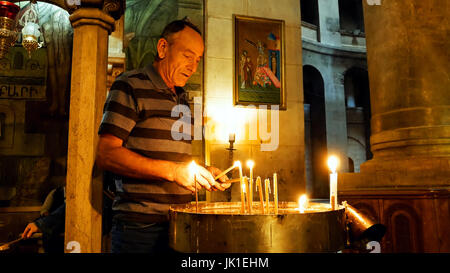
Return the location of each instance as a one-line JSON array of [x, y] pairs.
[[261, 77]]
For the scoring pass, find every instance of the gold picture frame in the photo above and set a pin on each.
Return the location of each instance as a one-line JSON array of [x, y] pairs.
[[259, 62]]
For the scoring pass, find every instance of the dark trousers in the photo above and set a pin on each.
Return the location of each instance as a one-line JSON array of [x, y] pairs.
[[132, 237]]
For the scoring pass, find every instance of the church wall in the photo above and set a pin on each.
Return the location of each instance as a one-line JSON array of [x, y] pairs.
[[288, 159]]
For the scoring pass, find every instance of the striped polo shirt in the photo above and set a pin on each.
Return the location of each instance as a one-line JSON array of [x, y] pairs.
[[138, 110]]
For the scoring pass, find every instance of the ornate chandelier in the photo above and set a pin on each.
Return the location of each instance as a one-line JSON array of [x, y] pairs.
[[8, 36], [30, 30]]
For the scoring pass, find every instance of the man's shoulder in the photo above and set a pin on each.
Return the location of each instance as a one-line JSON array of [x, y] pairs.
[[137, 79]]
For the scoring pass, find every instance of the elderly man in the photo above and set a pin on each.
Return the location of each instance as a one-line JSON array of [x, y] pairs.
[[151, 168]]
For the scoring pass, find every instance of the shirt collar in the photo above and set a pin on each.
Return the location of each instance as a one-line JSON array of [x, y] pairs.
[[159, 82], [156, 78]]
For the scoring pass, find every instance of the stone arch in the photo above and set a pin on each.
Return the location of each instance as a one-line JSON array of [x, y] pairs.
[[357, 101], [315, 132]]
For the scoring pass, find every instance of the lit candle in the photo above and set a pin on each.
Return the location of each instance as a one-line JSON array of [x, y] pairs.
[[231, 137], [250, 164], [193, 171], [261, 197], [275, 192], [267, 189], [302, 203], [236, 163], [247, 193], [333, 163], [242, 186]]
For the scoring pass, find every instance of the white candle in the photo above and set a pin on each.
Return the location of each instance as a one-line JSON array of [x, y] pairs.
[[261, 197], [267, 189], [227, 170], [250, 164], [275, 192], [193, 171], [242, 187], [231, 137], [333, 163]]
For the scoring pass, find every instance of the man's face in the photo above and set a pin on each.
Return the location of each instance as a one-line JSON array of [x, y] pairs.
[[183, 55]]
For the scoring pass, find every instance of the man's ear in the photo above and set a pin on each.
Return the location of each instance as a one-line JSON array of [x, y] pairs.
[[162, 48]]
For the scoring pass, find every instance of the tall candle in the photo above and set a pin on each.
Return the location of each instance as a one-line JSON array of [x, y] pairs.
[[250, 164], [261, 197], [242, 187], [227, 170], [275, 192], [333, 163], [247, 192], [267, 189], [193, 171]]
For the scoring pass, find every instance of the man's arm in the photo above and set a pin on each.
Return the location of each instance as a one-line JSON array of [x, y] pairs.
[[112, 156]]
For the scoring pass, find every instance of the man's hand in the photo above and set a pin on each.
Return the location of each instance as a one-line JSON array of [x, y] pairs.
[[184, 178], [215, 171], [29, 230]]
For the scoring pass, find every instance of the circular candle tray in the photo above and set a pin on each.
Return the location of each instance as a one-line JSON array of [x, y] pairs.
[[220, 227]]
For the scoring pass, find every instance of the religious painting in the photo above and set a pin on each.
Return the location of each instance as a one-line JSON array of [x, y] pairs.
[[259, 62]]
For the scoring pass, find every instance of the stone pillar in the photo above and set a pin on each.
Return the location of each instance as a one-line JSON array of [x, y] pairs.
[[88, 93], [406, 184], [408, 58]]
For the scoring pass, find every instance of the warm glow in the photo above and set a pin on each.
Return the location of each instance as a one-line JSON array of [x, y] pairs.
[[237, 163], [243, 188], [193, 168], [333, 163], [250, 164], [223, 119], [302, 203]]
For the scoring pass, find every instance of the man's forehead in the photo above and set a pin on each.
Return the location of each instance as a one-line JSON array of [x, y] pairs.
[[188, 39]]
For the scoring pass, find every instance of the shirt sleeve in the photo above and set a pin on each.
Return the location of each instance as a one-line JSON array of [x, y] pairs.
[[120, 112]]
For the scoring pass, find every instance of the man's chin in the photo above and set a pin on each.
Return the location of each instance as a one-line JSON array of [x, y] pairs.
[[180, 83]]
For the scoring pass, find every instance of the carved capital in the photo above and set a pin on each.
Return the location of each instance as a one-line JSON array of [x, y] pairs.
[[92, 16]]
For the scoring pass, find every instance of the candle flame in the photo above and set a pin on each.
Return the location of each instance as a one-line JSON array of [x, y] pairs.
[[302, 203], [333, 163], [250, 163], [193, 168], [237, 163]]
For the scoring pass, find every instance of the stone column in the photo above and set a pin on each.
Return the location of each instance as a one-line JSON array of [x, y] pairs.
[[88, 92], [408, 57], [406, 184]]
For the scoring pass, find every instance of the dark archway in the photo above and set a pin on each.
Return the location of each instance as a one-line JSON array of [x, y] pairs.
[[315, 132], [357, 94]]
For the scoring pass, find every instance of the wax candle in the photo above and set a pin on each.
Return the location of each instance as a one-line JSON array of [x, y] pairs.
[[333, 163], [231, 137], [247, 193], [275, 192], [242, 187], [261, 197], [302, 203], [227, 170], [250, 164], [193, 171], [267, 189]]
